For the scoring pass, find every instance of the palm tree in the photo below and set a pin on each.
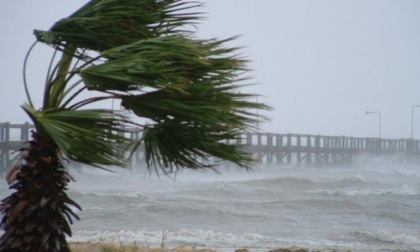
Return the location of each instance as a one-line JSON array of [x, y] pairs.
[[143, 53]]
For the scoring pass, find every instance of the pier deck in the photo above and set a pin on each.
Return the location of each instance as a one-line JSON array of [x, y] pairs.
[[269, 148]]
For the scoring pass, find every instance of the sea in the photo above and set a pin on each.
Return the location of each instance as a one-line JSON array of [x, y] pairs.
[[372, 205]]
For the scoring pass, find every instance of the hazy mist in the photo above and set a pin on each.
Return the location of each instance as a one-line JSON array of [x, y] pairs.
[[319, 64]]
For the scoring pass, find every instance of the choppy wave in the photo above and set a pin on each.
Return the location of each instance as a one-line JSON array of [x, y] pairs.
[[390, 240], [361, 208], [199, 238], [403, 190]]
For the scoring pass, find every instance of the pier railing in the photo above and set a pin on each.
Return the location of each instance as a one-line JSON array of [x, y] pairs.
[[300, 149], [283, 149]]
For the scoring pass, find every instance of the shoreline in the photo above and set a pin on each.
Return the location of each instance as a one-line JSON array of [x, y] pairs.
[[108, 247]]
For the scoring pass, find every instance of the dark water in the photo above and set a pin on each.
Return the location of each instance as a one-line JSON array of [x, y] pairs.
[[368, 207]]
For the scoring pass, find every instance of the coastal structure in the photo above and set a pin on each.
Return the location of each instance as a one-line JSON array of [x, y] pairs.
[[268, 148]]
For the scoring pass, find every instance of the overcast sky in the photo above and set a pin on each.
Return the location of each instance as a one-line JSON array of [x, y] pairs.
[[319, 64]]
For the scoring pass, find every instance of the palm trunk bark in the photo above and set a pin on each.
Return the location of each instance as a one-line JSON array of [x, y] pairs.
[[37, 215]]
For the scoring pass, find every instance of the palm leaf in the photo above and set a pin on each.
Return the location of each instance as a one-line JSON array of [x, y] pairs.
[[170, 61], [93, 137], [191, 127], [173, 144], [204, 104], [104, 24]]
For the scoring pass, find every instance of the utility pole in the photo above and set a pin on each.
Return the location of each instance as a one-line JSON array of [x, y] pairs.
[[379, 114]]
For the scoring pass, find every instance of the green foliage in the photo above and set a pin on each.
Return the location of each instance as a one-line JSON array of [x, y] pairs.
[[172, 61], [173, 144], [93, 137], [145, 55], [105, 24]]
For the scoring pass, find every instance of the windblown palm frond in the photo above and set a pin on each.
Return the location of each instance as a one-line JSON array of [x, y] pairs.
[[94, 137], [105, 24], [192, 105], [173, 144], [163, 62]]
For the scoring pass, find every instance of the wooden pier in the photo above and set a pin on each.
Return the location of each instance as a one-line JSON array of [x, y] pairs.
[[12, 137], [317, 150], [272, 149]]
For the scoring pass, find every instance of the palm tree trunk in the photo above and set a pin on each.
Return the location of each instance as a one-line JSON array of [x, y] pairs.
[[36, 217]]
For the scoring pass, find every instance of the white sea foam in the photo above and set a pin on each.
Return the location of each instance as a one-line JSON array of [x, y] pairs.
[[198, 238], [403, 190], [202, 239], [393, 237], [395, 240]]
